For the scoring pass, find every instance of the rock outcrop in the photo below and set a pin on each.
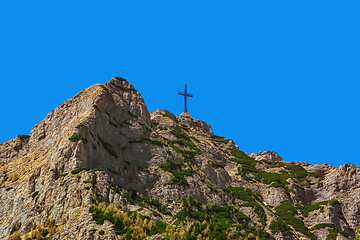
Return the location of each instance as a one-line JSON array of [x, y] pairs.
[[100, 166]]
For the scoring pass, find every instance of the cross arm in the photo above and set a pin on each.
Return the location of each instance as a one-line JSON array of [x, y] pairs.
[[186, 94]]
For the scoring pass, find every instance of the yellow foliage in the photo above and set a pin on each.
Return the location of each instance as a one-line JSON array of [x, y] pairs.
[[34, 226], [102, 206], [16, 236], [109, 208]]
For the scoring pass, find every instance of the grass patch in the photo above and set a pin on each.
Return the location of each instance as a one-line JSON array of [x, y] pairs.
[[163, 128], [76, 171], [323, 225], [128, 122], [182, 135], [183, 126], [75, 137], [120, 78], [179, 178], [155, 123], [219, 139], [23, 137], [63, 183], [133, 114], [309, 208], [35, 194], [95, 169], [169, 165], [103, 87]]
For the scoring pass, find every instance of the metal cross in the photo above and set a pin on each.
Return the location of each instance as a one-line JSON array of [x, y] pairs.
[[186, 95]]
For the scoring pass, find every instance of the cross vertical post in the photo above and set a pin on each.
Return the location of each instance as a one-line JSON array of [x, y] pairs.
[[186, 95]]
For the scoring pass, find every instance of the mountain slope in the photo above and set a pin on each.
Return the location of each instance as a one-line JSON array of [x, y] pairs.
[[100, 166]]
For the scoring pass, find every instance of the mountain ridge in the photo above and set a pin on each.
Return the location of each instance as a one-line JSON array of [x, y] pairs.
[[132, 155]]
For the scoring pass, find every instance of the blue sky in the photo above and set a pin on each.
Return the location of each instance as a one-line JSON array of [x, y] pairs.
[[271, 75]]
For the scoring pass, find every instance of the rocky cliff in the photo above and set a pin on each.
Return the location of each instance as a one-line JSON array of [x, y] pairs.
[[100, 166]]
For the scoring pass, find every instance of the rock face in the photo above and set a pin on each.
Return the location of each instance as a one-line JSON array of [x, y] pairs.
[[267, 155], [100, 166]]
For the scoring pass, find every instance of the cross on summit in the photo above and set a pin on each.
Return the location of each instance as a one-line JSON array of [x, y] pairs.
[[186, 95]]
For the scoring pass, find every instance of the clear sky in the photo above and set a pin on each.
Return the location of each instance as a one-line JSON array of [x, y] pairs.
[[271, 75]]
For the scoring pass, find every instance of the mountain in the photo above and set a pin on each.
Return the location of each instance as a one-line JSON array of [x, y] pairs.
[[101, 166]]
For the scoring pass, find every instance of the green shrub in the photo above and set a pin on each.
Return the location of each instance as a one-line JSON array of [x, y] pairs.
[[165, 212], [297, 170], [95, 106], [308, 208], [23, 137], [169, 165], [280, 225], [129, 199], [201, 216], [5, 178], [245, 194], [219, 139], [133, 114], [317, 175], [211, 188], [76, 171], [286, 212], [183, 126], [332, 234], [35, 194], [277, 185], [240, 216], [75, 137], [258, 209], [179, 177], [155, 123], [63, 183], [333, 202], [128, 122], [15, 227], [163, 128], [120, 78], [101, 232], [182, 135], [88, 187], [64, 174], [93, 230], [95, 169], [103, 87], [216, 165], [323, 225], [78, 175], [165, 115]]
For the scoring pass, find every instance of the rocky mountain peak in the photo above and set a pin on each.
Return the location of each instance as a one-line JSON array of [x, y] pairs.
[[100, 166]]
